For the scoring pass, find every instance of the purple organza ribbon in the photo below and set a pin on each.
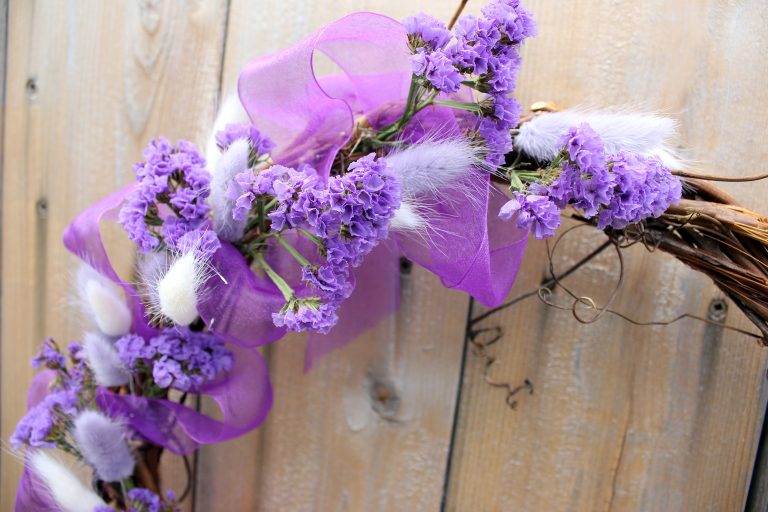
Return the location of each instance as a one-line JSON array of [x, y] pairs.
[[32, 494], [310, 118], [244, 394]]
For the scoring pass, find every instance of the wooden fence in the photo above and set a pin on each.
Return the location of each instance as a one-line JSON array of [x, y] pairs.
[[622, 418]]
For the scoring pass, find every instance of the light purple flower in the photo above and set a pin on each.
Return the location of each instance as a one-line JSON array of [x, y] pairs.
[[536, 212], [178, 357], [440, 71], [426, 30], [174, 176], [49, 357], [260, 144], [307, 315], [644, 188], [584, 181]]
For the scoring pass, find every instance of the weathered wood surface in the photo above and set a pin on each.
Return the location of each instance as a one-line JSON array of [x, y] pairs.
[[622, 418]]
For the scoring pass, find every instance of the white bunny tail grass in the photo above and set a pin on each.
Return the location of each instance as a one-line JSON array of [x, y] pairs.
[[431, 165], [102, 442], [232, 161], [102, 357], [231, 111], [407, 218], [645, 133], [173, 288], [69, 493], [104, 302]]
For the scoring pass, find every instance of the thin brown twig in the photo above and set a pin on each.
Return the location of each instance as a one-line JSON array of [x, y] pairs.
[[714, 177], [454, 19]]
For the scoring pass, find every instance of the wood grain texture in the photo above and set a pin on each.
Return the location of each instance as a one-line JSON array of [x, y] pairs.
[[88, 84], [624, 417]]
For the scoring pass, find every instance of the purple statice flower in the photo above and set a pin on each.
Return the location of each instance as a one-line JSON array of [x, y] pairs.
[[49, 357], [307, 315], [644, 188], [204, 241], [178, 357], [331, 281], [476, 40], [503, 109], [537, 212], [260, 144], [514, 20], [39, 427], [143, 500], [348, 217], [498, 140], [585, 181], [103, 508], [438, 69], [501, 77], [425, 30], [171, 175]]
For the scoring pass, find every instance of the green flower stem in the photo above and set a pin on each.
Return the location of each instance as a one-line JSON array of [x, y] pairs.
[[460, 105], [284, 287], [304, 262], [317, 241]]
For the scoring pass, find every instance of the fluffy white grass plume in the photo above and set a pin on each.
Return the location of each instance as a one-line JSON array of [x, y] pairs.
[[425, 169], [174, 283], [408, 217], [232, 161], [432, 165], [104, 302], [103, 359], [231, 111], [102, 442], [65, 488], [621, 130]]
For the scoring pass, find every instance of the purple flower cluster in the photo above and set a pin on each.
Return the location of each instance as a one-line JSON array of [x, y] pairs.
[[619, 189], [533, 211], [144, 500], [644, 188], [348, 218], [260, 144], [585, 181], [178, 358], [169, 199], [49, 357], [486, 48], [41, 426]]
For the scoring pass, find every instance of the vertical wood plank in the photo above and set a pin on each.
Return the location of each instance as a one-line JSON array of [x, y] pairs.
[[624, 417], [88, 85]]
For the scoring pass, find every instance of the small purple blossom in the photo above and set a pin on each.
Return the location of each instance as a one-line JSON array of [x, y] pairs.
[[514, 20], [307, 315], [644, 188], [178, 357], [537, 212], [585, 181], [143, 500], [260, 144], [498, 140], [49, 357], [426, 30], [170, 196], [438, 69], [40, 427]]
